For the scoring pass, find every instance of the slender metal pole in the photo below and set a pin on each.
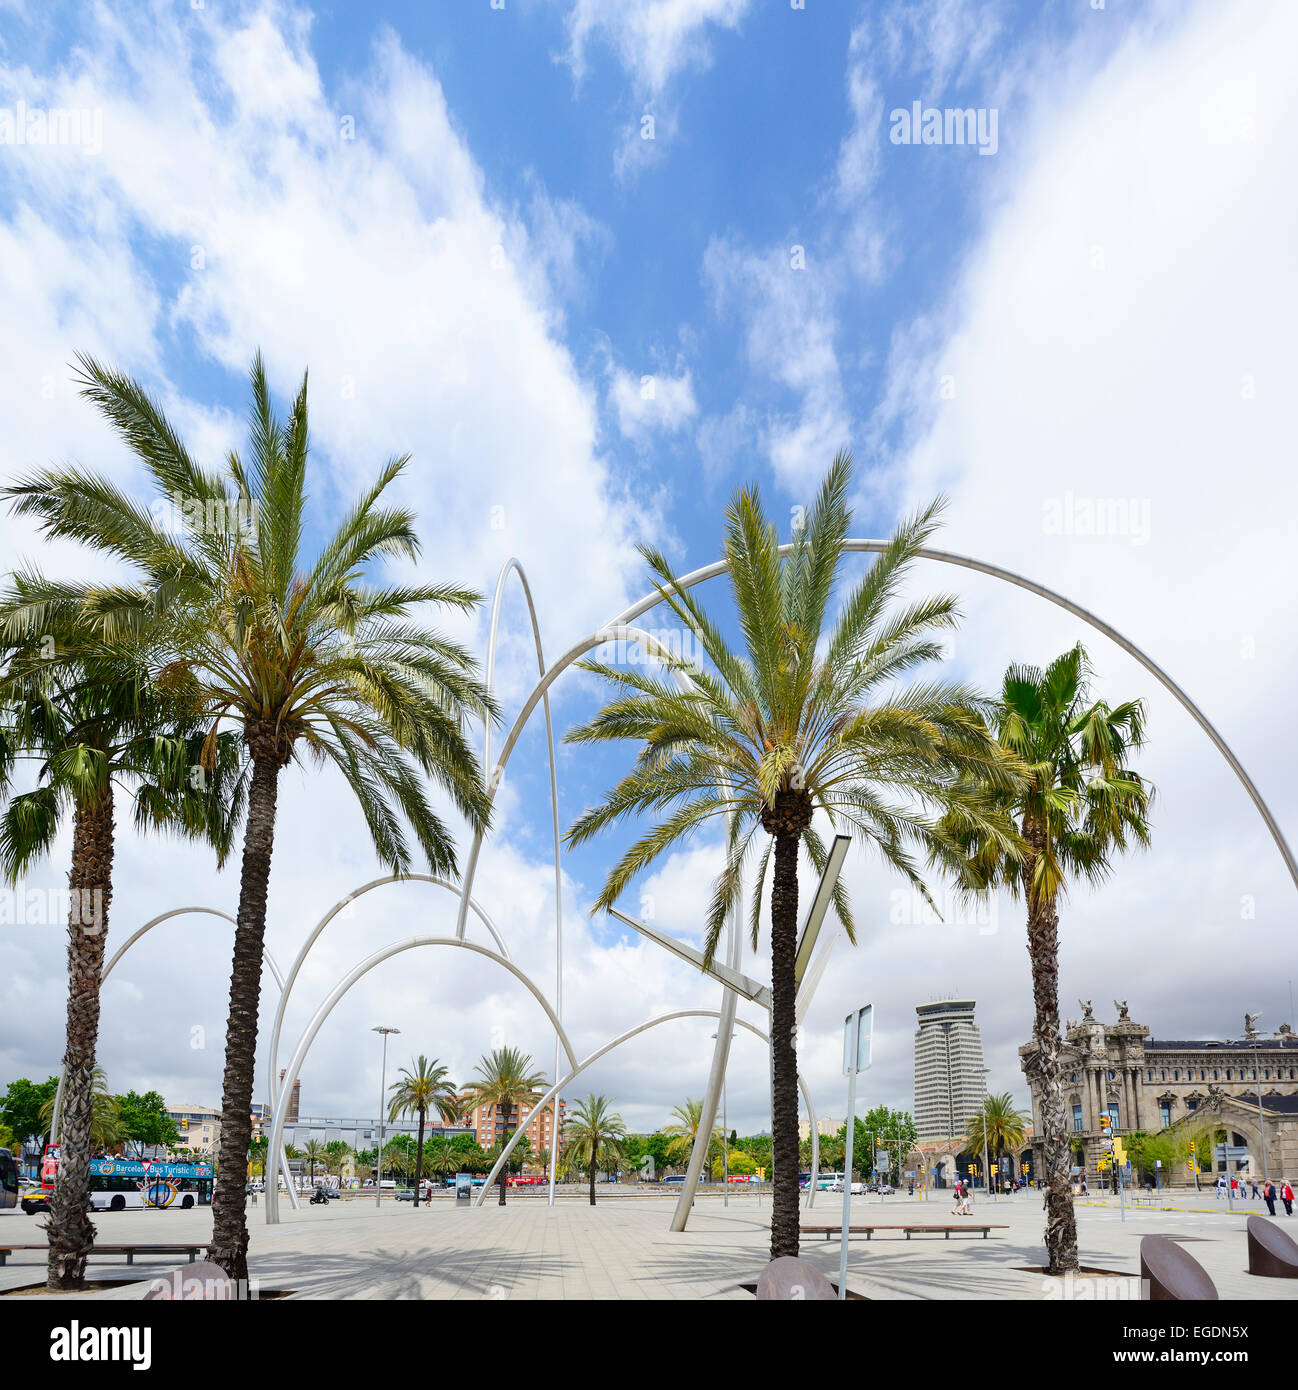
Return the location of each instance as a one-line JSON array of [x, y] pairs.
[[848, 1137], [383, 1094]]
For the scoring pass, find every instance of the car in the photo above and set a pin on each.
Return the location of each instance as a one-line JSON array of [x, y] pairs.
[[35, 1199], [405, 1194]]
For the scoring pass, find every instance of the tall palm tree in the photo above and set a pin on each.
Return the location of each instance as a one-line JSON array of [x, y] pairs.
[[85, 719], [1080, 806], [416, 1092], [505, 1082], [593, 1136], [303, 656], [999, 1126], [314, 1152], [811, 717]]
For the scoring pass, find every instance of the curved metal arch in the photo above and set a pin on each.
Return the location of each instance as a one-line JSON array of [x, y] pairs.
[[122, 950], [717, 568], [512, 565], [617, 1042], [358, 972], [286, 989]]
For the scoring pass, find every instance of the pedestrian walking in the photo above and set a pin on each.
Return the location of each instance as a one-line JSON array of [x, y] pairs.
[[1286, 1196], [959, 1197], [1256, 1194], [966, 1207], [1268, 1196], [1221, 1185]]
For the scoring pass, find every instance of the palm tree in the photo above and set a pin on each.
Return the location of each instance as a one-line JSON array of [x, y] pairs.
[[811, 717], [594, 1133], [314, 1152], [505, 1082], [303, 656], [87, 716], [442, 1158], [1080, 806], [999, 1127], [683, 1128], [416, 1093], [105, 1120]]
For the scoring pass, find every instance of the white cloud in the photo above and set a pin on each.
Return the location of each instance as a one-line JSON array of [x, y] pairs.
[[651, 403]]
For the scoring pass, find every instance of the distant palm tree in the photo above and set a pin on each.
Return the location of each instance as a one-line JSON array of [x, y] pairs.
[[593, 1137], [441, 1156], [303, 655], [810, 716], [999, 1126], [314, 1152], [683, 1129], [416, 1092], [1080, 806], [86, 715], [505, 1082]]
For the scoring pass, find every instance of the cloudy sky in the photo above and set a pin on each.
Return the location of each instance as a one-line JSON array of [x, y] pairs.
[[595, 263]]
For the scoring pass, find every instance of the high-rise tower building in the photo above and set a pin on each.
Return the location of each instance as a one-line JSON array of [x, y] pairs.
[[949, 1081]]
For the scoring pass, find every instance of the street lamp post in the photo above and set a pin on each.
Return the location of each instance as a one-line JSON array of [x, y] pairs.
[[1250, 1035], [725, 1138], [383, 1094]]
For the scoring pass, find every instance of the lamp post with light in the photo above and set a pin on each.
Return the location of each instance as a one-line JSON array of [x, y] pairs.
[[383, 1095]]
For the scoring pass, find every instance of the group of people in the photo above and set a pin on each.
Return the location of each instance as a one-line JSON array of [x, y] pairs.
[[1268, 1193], [963, 1199]]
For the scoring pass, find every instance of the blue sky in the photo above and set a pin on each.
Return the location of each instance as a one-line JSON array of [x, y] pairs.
[[588, 339]]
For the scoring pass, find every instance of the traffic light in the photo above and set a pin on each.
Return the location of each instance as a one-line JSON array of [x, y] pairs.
[[1191, 1145], [1104, 1124]]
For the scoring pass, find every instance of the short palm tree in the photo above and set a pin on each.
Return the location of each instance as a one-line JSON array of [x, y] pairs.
[[105, 1119], [417, 1090], [683, 1128], [303, 656], [506, 1081], [813, 716], [441, 1157], [314, 1152], [86, 717], [999, 1126], [1080, 806], [593, 1137]]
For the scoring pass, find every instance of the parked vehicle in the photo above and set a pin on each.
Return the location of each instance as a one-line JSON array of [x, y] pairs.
[[405, 1194], [8, 1180]]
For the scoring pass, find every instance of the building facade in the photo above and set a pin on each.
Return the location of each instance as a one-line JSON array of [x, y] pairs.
[[1143, 1083], [950, 1083], [198, 1129], [488, 1125]]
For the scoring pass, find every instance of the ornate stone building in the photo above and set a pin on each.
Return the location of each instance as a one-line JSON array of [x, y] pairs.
[[1149, 1084]]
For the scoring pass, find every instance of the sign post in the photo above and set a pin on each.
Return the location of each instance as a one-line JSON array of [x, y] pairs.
[[858, 1029]]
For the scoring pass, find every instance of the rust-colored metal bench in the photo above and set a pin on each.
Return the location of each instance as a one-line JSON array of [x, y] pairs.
[[1169, 1274], [1271, 1252]]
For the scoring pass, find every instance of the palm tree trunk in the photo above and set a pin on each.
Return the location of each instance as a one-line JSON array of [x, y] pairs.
[[507, 1111], [1043, 951], [70, 1231], [419, 1155], [594, 1156], [787, 821], [229, 1248]]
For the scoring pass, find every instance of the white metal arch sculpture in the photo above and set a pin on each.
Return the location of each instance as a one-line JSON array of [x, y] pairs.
[[618, 627], [356, 973], [617, 1042]]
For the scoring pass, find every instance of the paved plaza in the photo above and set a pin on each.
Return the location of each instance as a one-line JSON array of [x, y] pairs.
[[622, 1249]]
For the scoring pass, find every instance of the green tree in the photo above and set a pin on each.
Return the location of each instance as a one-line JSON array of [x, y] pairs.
[[302, 656], [399, 1155], [505, 1082], [441, 1156], [593, 1136], [683, 1131], [314, 1152], [812, 717], [893, 1131], [87, 717], [145, 1122], [739, 1164], [420, 1088], [105, 1117], [1081, 806], [21, 1107], [999, 1126], [336, 1154]]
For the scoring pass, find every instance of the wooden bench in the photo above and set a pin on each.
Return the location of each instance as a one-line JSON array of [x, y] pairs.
[[1148, 1200], [914, 1229], [130, 1251]]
